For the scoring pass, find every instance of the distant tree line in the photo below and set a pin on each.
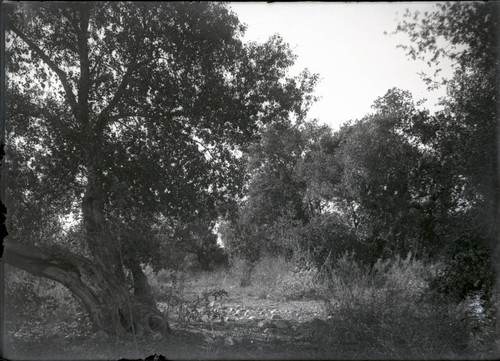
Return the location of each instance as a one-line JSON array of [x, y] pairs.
[[398, 180]]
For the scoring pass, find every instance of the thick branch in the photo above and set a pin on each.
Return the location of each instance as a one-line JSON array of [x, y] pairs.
[[83, 50], [59, 265], [106, 300], [103, 116], [61, 75], [77, 273], [54, 263]]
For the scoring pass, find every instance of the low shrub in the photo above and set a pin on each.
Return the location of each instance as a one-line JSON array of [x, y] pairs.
[[167, 285], [297, 285], [220, 277], [277, 278], [242, 271], [468, 269], [268, 271], [385, 306]]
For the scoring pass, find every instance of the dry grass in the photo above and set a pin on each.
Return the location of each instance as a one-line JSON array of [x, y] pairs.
[[387, 310], [380, 311]]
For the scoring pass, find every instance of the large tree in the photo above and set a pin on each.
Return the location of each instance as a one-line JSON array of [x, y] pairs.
[[464, 134], [124, 115], [463, 138]]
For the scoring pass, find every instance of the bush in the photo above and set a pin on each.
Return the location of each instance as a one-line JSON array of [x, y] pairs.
[[267, 272], [277, 278], [166, 285], [468, 270], [297, 285], [385, 307]]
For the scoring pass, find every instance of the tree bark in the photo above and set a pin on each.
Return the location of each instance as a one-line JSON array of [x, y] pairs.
[[101, 243], [142, 290], [109, 304]]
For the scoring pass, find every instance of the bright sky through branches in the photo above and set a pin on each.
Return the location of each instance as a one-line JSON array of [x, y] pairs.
[[345, 43]]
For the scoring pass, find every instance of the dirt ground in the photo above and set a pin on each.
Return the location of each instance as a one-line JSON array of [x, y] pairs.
[[239, 326], [244, 324]]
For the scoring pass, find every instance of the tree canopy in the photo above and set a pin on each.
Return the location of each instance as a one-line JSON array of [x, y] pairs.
[[127, 114], [399, 180]]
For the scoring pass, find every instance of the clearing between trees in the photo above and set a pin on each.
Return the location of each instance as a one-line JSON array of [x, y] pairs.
[[286, 313]]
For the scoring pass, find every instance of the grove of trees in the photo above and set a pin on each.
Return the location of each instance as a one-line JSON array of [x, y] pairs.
[[129, 116], [398, 180], [151, 122]]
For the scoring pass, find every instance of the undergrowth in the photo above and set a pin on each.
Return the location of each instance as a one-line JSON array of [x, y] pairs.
[[389, 309], [37, 310]]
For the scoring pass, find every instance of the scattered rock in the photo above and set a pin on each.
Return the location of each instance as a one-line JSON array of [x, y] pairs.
[[205, 318], [276, 317], [157, 336], [229, 319], [211, 304], [229, 341]]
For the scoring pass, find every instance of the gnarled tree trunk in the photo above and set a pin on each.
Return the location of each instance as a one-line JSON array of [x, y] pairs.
[[109, 304], [102, 245], [99, 283]]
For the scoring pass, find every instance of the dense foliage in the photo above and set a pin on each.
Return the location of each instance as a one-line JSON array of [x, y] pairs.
[[155, 130], [398, 180], [130, 116]]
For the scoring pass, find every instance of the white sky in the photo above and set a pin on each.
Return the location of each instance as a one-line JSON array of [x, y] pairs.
[[345, 43]]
